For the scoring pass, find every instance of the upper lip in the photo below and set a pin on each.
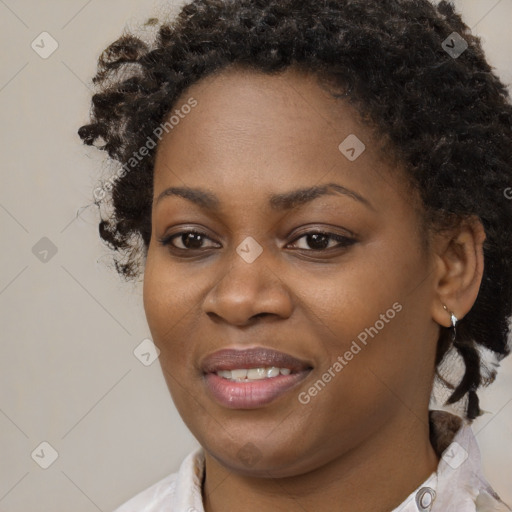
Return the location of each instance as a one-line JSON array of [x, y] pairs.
[[259, 357]]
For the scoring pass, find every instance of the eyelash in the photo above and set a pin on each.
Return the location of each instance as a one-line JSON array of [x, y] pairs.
[[342, 240]]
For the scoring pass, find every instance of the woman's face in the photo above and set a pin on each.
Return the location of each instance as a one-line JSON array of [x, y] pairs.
[[353, 311]]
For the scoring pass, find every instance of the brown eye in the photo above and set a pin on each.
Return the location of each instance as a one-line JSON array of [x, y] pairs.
[[190, 240], [319, 241]]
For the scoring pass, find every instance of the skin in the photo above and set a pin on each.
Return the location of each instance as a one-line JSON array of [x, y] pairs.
[[362, 442]]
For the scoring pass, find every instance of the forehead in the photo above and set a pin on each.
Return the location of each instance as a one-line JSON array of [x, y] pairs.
[[239, 101], [261, 132]]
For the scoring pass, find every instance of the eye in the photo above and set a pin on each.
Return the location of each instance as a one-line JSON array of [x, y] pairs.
[[190, 240], [319, 240]]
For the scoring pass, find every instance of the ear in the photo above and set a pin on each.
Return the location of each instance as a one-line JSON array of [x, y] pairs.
[[458, 267]]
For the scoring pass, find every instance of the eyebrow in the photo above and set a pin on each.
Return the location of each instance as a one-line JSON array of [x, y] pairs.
[[278, 202]]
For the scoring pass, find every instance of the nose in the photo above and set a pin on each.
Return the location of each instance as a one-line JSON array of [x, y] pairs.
[[248, 291]]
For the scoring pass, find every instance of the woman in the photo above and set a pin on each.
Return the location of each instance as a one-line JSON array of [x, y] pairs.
[[315, 193]]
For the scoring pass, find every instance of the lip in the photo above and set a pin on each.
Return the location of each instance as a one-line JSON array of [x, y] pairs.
[[255, 394]]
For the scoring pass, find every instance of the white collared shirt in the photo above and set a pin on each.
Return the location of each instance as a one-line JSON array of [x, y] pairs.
[[457, 485]]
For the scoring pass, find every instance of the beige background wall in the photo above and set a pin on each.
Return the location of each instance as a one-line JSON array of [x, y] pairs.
[[68, 375]]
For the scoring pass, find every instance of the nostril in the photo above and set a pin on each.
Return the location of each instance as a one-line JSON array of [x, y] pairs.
[[259, 315]]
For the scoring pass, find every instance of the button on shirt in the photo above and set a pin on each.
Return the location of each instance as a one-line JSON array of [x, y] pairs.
[[457, 485]]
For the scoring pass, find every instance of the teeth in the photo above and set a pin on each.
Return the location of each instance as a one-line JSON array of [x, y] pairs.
[[273, 372], [238, 374], [257, 373], [246, 375]]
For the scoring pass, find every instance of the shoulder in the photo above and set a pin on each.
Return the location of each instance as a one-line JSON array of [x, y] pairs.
[[461, 484], [178, 491], [486, 502], [153, 498]]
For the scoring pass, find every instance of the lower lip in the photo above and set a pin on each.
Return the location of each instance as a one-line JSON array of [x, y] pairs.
[[251, 395]]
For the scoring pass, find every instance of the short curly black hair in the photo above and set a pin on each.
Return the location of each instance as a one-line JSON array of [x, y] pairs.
[[447, 117]]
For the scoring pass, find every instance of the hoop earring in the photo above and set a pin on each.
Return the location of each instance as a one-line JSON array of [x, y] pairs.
[[454, 321]]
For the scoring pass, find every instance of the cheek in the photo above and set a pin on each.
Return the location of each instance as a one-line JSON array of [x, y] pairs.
[[167, 299], [352, 298], [373, 315], [166, 303], [385, 357]]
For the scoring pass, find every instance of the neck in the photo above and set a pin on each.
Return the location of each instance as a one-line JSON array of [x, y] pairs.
[[377, 475]]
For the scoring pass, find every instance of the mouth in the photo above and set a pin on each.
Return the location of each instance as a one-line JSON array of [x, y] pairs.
[[251, 378]]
